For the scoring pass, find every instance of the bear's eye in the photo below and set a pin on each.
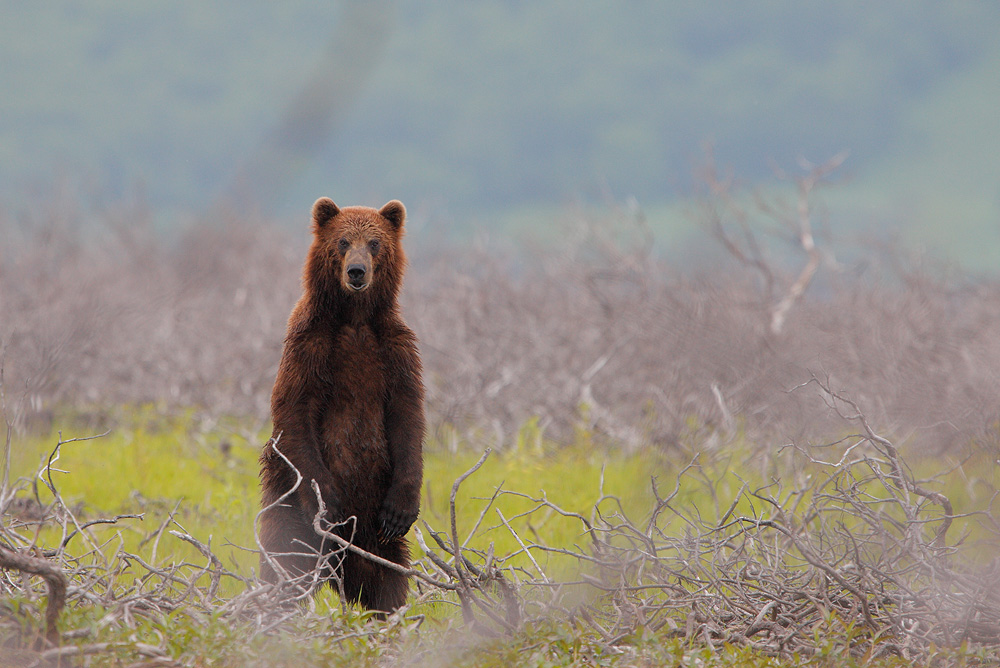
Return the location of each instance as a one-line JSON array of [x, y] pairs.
[[344, 245], [373, 246]]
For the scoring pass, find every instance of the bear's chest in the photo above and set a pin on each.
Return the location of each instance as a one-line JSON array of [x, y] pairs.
[[355, 366], [352, 403]]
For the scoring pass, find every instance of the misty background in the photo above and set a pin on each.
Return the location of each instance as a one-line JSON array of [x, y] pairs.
[[497, 116]]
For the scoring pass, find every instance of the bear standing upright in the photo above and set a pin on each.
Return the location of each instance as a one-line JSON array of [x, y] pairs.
[[347, 409]]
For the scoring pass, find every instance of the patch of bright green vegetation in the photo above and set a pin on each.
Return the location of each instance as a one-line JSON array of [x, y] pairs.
[[205, 478], [156, 467], [208, 481]]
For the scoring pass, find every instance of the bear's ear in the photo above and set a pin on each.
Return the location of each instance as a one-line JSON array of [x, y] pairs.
[[323, 211], [395, 213]]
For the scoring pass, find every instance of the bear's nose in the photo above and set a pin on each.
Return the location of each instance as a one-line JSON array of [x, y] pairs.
[[356, 272]]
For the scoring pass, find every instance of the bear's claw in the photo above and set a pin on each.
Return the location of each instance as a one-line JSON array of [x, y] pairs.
[[394, 523]]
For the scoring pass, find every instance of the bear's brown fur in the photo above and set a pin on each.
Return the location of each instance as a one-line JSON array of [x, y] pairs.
[[347, 408]]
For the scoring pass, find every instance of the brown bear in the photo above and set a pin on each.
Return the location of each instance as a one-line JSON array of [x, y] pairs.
[[347, 409]]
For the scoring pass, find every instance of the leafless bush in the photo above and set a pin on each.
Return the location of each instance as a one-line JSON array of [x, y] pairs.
[[862, 551], [601, 333], [596, 332], [107, 314], [848, 551]]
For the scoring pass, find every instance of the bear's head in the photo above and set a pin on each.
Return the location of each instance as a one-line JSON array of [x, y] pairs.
[[356, 252]]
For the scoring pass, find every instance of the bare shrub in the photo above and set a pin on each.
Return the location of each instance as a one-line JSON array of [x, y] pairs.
[[600, 333], [860, 551], [596, 333], [846, 554], [122, 317]]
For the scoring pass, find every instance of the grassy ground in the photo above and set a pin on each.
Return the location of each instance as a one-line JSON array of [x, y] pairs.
[[206, 481], [182, 474]]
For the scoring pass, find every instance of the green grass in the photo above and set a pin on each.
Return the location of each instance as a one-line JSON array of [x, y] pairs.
[[205, 479], [158, 466]]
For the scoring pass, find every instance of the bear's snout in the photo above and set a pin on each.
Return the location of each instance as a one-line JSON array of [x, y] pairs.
[[357, 276]]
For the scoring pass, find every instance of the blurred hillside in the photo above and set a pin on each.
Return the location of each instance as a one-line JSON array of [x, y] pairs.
[[470, 111]]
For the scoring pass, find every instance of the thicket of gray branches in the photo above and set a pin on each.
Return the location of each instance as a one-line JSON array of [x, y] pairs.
[[848, 551], [597, 331]]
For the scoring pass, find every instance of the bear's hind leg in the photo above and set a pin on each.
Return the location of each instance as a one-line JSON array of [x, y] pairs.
[[290, 541], [388, 595], [376, 587]]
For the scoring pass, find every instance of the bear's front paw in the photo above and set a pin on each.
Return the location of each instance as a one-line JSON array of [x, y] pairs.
[[330, 505], [394, 522]]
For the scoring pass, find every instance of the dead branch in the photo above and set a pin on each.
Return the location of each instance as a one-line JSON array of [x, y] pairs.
[[805, 185], [54, 578]]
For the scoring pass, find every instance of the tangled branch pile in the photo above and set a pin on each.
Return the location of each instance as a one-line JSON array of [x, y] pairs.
[[860, 551], [851, 552]]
